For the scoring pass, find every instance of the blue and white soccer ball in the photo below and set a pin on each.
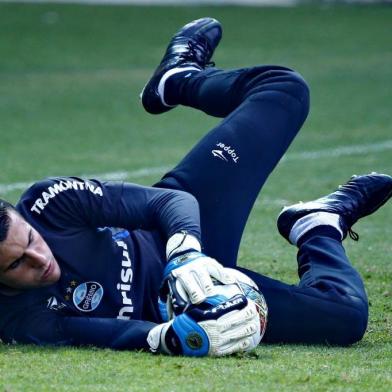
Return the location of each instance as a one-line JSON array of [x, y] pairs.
[[176, 300]]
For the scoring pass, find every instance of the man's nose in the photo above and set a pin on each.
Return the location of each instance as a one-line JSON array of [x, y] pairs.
[[36, 258]]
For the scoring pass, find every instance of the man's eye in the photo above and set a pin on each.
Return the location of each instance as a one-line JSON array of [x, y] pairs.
[[15, 264]]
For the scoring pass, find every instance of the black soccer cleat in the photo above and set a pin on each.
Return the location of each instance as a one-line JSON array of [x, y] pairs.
[[359, 197], [190, 48]]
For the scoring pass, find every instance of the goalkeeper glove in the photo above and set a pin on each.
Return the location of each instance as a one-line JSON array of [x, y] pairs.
[[188, 279], [214, 330], [189, 272]]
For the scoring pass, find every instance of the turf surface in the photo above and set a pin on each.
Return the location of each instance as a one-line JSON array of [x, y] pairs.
[[69, 83]]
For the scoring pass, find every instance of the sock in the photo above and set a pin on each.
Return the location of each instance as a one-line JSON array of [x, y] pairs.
[[320, 231], [169, 85], [316, 222]]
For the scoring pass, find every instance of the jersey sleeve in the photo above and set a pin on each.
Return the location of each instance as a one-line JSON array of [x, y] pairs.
[[50, 328], [72, 203]]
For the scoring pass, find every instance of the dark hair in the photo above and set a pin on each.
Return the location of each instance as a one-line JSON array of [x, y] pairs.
[[4, 218], [5, 207]]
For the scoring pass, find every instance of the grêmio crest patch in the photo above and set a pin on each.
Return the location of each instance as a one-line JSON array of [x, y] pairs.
[[87, 296]]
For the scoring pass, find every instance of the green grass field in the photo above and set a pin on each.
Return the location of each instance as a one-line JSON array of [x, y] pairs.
[[69, 83]]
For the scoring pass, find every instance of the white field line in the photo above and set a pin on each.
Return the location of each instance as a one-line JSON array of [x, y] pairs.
[[281, 3], [159, 170], [340, 151], [112, 176]]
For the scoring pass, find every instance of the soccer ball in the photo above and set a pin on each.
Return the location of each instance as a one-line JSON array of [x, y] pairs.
[[175, 301]]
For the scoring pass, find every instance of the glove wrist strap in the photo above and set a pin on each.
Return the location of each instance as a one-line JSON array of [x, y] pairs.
[[156, 339], [181, 242]]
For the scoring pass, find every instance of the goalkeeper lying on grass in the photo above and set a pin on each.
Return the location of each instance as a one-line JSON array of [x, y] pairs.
[[84, 262]]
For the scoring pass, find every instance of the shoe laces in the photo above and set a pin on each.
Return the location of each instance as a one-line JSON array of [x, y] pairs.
[[198, 51], [353, 235]]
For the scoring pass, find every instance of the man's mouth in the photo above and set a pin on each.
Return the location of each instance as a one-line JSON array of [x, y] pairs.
[[48, 270]]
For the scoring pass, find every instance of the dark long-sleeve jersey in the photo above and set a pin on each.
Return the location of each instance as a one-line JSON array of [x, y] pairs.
[[109, 239]]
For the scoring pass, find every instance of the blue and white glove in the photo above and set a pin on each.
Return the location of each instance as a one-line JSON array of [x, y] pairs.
[[189, 274], [209, 330]]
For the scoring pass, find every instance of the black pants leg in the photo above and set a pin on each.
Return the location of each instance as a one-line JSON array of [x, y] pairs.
[[264, 108]]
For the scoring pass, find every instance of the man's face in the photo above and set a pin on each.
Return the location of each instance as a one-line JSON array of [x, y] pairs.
[[25, 258]]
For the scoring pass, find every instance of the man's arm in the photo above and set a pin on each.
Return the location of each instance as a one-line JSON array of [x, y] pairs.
[[219, 330], [73, 203], [46, 327], [70, 204]]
